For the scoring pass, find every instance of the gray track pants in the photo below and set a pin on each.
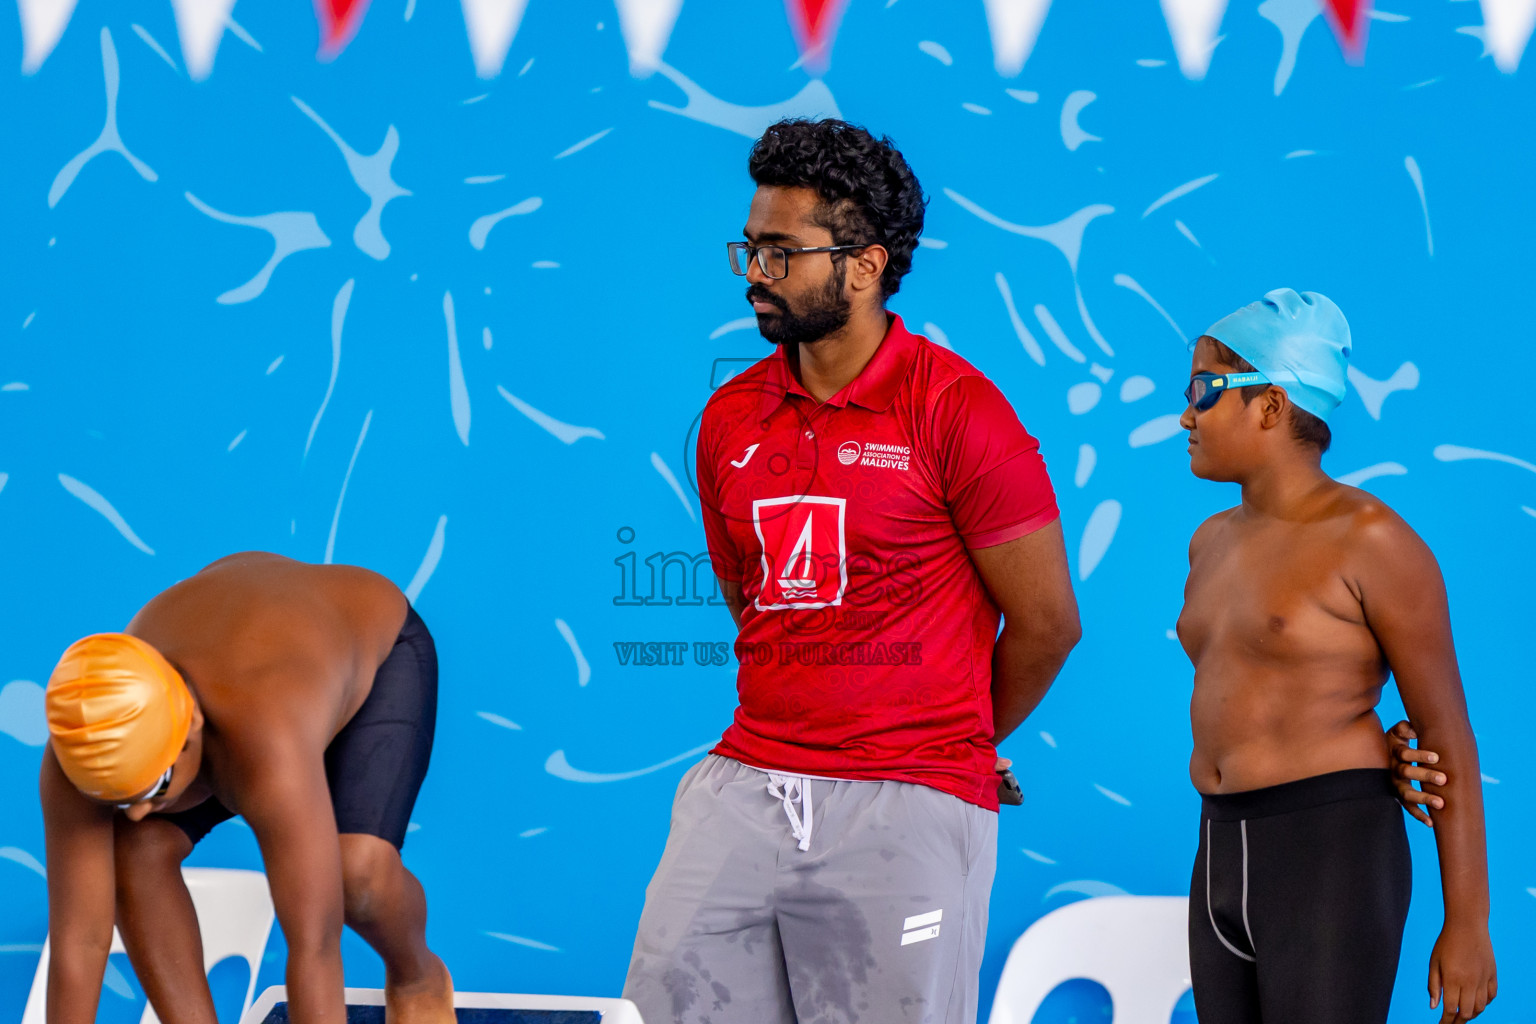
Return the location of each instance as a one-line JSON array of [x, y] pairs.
[[866, 902]]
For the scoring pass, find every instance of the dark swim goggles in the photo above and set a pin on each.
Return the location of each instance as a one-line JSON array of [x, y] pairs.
[[1205, 388], [161, 788]]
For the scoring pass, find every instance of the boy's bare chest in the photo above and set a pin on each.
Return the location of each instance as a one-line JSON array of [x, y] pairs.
[[1275, 592]]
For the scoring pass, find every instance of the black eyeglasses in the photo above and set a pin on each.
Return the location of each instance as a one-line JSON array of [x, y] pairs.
[[773, 260]]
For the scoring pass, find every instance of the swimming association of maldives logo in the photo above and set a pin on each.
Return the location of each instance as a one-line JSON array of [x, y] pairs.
[[880, 456]]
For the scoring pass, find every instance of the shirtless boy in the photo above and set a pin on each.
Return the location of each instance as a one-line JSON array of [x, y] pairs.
[[302, 697], [1300, 602]]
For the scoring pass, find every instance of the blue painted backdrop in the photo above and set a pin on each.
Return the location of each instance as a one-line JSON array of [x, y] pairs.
[[501, 408]]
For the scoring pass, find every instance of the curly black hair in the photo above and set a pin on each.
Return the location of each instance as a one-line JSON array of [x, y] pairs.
[[868, 193]]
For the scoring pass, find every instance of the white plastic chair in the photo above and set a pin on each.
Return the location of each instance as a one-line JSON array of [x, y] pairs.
[[1137, 947], [612, 1011], [234, 914]]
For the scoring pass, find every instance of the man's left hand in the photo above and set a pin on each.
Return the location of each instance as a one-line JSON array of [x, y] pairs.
[[1406, 760], [1008, 791]]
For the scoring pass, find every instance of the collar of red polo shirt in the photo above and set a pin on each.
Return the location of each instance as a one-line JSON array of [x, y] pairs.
[[874, 388]]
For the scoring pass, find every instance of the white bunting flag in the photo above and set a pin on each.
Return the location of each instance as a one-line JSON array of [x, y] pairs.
[[491, 25], [1193, 25], [1014, 24], [1507, 28], [42, 23], [647, 25], [200, 23]]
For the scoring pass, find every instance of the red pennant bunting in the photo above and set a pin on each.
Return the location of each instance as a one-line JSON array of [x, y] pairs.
[[1349, 19], [339, 22], [815, 26]]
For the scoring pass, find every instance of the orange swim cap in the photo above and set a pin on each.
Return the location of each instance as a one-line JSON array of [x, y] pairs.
[[118, 714]]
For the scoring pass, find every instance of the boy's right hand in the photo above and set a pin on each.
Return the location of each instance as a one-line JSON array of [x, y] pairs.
[[1463, 978]]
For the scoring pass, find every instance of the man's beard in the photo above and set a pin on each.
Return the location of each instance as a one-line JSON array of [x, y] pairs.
[[823, 313]]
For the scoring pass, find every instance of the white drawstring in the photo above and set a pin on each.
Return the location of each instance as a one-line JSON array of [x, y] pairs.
[[786, 788]]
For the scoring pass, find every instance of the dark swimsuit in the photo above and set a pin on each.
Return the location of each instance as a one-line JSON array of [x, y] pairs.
[[376, 763], [1297, 902]]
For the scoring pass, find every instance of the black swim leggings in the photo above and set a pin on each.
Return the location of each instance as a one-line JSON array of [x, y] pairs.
[[1297, 902]]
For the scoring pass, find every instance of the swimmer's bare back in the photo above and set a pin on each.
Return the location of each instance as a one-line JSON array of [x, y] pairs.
[[273, 648], [1289, 664]]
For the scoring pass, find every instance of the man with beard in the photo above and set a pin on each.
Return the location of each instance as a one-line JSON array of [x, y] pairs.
[[873, 507]]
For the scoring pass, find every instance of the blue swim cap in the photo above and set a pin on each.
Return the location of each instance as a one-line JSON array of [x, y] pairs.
[[1300, 342]]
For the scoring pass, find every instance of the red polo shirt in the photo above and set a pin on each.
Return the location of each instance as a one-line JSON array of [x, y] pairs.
[[865, 647]]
